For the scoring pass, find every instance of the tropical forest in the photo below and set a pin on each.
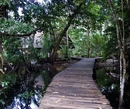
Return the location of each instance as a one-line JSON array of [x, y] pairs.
[[40, 38]]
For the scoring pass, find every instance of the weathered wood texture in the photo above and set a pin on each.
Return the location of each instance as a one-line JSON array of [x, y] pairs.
[[74, 88]]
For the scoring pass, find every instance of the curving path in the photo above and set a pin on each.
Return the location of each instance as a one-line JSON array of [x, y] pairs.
[[74, 88]]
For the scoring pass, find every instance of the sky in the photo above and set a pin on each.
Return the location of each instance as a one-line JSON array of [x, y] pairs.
[[43, 1], [20, 9], [40, 1]]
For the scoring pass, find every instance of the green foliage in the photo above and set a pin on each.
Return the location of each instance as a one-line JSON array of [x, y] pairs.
[[103, 80], [26, 95], [52, 19], [111, 43], [46, 78], [14, 27], [80, 41], [65, 52], [11, 46], [97, 45], [47, 46], [55, 15], [32, 54], [4, 2], [4, 85], [94, 9]]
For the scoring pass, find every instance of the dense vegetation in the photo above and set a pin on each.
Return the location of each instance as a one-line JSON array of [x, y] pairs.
[[81, 28]]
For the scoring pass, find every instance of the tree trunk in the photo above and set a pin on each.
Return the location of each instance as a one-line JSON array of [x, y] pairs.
[[121, 44], [123, 61], [121, 85], [122, 77], [76, 11]]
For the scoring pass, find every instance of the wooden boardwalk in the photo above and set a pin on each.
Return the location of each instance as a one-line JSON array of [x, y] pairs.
[[74, 88]]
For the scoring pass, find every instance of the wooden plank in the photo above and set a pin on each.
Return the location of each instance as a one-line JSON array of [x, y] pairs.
[[74, 88]]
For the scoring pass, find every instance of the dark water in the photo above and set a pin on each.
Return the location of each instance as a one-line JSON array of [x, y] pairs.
[[110, 88], [27, 91]]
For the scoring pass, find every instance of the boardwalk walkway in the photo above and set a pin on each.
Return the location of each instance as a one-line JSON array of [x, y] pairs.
[[74, 88]]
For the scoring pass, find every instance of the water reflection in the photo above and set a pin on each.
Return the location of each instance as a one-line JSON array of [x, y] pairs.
[[25, 102], [108, 87], [25, 89], [27, 92]]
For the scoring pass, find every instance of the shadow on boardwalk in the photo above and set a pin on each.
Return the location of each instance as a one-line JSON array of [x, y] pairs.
[[74, 88]]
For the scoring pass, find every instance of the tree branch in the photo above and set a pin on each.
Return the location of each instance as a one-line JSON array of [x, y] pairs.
[[118, 31], [76, 11]]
